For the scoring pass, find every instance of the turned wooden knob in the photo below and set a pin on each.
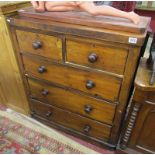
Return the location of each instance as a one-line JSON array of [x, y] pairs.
[[92, 57], [48, 114], [90, 84], [87, 128], [88, 108], [42, 69], [45, 92], [37, 44]]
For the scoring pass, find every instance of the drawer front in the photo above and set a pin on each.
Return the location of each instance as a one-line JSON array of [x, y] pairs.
[[93, 55], [74, 102], [40, 44], [96, 84], [70, 120]]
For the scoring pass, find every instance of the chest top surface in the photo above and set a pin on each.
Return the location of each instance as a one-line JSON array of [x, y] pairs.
[[82, 24], [85, 19]]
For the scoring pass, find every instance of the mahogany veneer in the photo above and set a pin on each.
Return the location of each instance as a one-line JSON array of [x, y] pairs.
[[78, 77]]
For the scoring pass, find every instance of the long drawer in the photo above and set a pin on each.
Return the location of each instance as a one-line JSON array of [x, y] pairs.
[[40, 44], [71, 120], [83, 105], [97, 84]]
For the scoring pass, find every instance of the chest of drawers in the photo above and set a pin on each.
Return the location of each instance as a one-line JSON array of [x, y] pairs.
[[77, 77]]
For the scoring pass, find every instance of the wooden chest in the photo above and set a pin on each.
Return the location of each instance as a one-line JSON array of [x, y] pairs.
[[78, 77], [139, 131]]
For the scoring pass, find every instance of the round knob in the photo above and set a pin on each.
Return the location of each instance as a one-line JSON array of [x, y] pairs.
[[45, 92], [48, 114], [87, 128], [92, 57], [42, 69], [37, 44], [90, 84], [88, 108]]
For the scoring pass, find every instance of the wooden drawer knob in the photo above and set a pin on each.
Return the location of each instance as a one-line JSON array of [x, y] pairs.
[[48, 114], [92, 57], [42, 69], [37, 44], [90, 84], [88, 108], [45, 92], [87, 128]]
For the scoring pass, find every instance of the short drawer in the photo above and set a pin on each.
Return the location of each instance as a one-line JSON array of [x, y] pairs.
[[71, 120], [40, 44], [96, 84], [65, 99], [99, 56]]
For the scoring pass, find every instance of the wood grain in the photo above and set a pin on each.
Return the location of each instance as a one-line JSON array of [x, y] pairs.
[[78, 30], [65, 99], [8, 7], [13, 94], [51, 46], [110, 85], [78, 51], [139, 132], [83, 18], [143, 77], [71, 120], [131, 66], [105, 86]]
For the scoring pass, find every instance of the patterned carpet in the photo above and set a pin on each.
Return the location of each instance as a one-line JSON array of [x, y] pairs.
[[21, 134]]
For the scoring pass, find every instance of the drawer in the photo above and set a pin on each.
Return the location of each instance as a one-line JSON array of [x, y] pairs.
[[65, 99], [95, 55], [71, 120], [97, 84], [40, 44]]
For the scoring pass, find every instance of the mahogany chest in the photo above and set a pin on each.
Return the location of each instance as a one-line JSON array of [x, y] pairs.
[[78, 69]]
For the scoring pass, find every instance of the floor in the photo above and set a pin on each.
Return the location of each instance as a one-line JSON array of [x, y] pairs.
[[82, 142]]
